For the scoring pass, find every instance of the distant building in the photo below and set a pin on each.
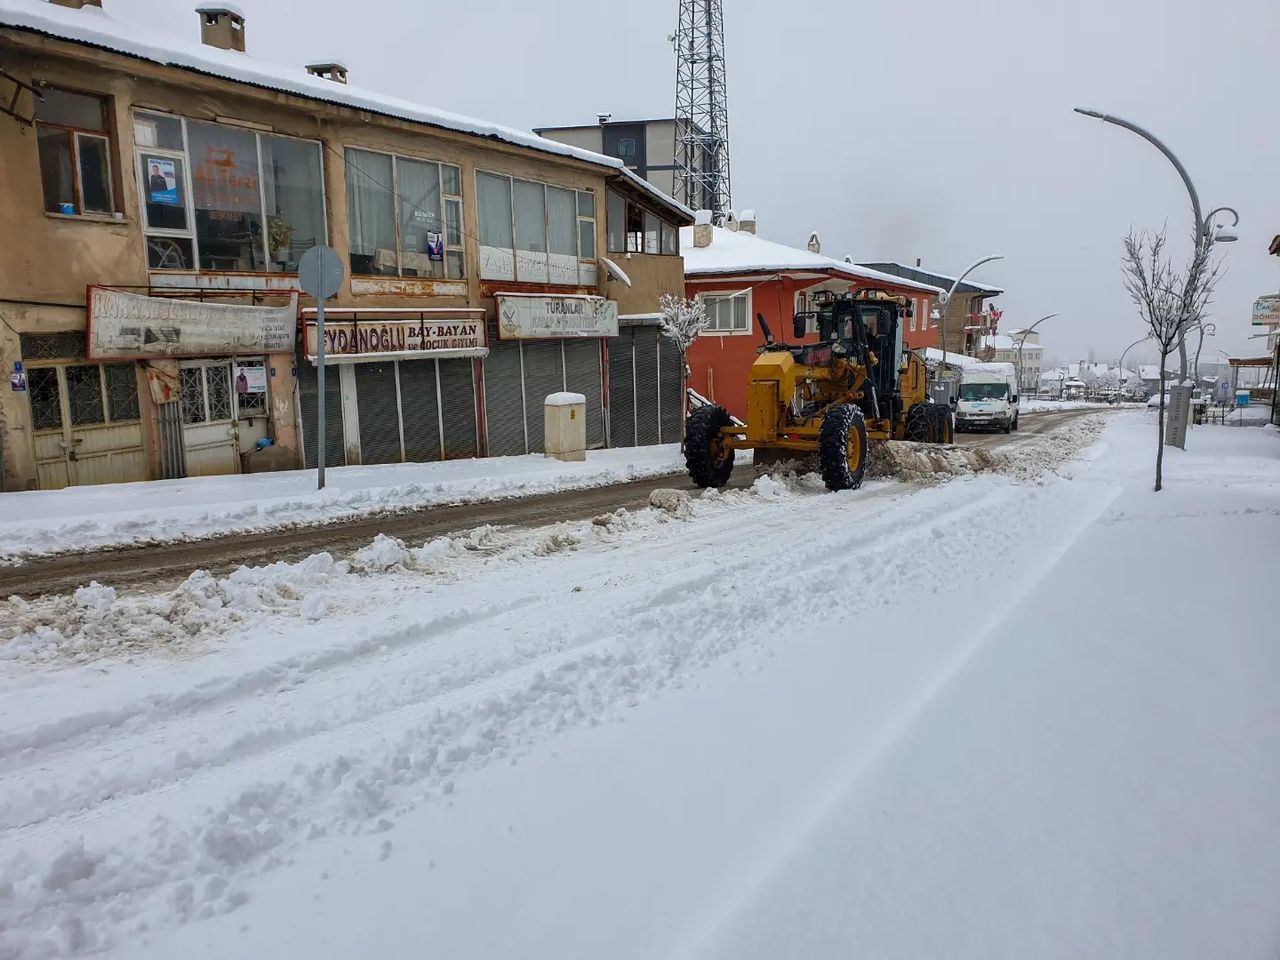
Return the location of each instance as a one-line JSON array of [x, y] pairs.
[[1003, 348], [969, 317]]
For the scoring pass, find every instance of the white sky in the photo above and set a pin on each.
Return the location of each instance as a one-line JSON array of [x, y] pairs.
[[897, 130]]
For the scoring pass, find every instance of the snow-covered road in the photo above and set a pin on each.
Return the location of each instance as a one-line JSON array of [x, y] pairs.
[[971, 720]]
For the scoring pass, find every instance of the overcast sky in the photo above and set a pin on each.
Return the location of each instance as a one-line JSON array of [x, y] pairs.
[[928, 129]]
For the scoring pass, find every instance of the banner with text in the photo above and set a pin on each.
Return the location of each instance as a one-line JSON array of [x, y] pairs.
[[522, 317], [389, 338], [131, 326], [1266, 311]]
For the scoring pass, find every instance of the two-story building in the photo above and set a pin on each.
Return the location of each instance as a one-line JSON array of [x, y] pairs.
[[1020, 348], [969, 317], [159, 194]]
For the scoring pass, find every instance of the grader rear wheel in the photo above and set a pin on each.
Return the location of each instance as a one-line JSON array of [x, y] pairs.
[[918, 423], [706, 457], [942, 425], [842, 447]]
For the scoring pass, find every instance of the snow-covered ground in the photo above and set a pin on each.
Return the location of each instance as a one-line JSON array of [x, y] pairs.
[[1036, 405], [85, 518], [989, 718]]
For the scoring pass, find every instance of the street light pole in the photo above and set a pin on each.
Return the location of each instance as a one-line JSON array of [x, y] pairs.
[[1125, 353], [1023, 339], [944, 301], [1206, 227], [1206, 330]]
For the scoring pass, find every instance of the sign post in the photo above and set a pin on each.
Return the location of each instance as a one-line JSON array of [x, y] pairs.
[[1175, 433], [320, 274]]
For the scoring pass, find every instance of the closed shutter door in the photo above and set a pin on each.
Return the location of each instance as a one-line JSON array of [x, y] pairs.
[[504, 400], [669, 390], [543, 375], [419, 410], [582, 375], [378, 414], [622, 394], [458, 400], [334, 454], [646, 385]]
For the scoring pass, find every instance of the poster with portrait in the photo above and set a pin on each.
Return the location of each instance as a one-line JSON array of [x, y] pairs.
[[162, 181], [251, 379], [435, 246]]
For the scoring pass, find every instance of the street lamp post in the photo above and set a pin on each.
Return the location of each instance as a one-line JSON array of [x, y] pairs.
[[1206, 226], [1022, 384], [945, 299], [1125, 353], [1206, 330]]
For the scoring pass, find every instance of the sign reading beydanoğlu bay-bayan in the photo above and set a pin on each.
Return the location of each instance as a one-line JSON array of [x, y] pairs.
[[381, 338], [550, 317], [129, 325]]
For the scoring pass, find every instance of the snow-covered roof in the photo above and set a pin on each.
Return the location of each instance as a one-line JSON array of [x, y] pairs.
[[934, 355], [736, 251], [1000, 341], [968, 281], [96, 27]]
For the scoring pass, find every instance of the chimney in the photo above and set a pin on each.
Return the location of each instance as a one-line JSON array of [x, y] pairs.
[[78, 4], [815, 243], [702, 229], [222, 26], [747, 221], [730, 221], [334, 70]]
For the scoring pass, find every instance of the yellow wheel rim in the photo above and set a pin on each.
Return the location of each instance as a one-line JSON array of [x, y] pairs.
[[854, 450]]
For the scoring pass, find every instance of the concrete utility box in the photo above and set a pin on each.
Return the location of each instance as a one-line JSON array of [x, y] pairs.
[[565, 426]]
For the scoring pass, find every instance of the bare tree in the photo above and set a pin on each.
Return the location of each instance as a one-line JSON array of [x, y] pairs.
[[682, 320], [1170, 301]]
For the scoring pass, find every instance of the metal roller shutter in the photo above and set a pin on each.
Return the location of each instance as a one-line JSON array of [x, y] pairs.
[[582, 375], [378, 412], [543, 375], [504, 400], [458, 401], [334, 454], [668, 390], [622, 395], [646, 385], [419, 410]]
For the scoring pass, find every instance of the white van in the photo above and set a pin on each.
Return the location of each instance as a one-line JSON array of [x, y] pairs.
[[988, 398]]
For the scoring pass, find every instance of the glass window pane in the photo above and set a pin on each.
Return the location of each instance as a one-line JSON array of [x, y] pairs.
[[586, 204], [453, 264], [562, 219], [95, 173], [192, 395], [531, 216], [453, 222], [295, 199], [46, 407], [740, 312], [169, 253], [218, 383], [616, 223], [493, 203], [84, 395], [587, 239], [71, 109], [55, 170], [157, 130], [122, 391], [451, 183], [227, 197], [652, 233], [165, 200], [635, 229], [421, 227], [370, 213], [670, 239]]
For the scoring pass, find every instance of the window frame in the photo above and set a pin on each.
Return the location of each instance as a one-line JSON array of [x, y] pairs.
[[579, 219], [712, 300], [637, 241], [73, 134], [188, 206], [66, 416]]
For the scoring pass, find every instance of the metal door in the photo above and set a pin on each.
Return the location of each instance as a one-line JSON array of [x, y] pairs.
[[86, 424], [252, 411], [208, 418]]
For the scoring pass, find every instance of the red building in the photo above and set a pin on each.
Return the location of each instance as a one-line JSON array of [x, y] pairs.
[[739, 275]]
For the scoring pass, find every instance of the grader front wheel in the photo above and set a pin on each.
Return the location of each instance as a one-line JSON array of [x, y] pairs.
[[708, 459], [842, 447]]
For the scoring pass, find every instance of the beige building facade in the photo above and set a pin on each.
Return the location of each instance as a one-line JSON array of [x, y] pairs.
[[156, 215]]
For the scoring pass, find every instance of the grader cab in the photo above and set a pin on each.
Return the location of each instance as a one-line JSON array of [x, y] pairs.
[[829, 398]]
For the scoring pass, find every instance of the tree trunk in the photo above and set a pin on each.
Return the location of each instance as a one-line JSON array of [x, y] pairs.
[[1160, 429]]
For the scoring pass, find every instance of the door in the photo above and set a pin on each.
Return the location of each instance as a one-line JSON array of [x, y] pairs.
[[86, 424], [208, 418], [249, 380]]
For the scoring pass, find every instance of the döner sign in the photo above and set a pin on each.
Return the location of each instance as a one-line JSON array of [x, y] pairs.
[[384, 339]]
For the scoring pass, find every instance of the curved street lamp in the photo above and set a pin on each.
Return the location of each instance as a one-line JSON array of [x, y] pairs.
[[1022, 384], [1206, 330], [1125, 353], [945, 299], [1206, 226]]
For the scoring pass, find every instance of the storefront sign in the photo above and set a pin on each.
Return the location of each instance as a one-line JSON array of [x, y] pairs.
[[392, 337], [522, 317], [125, 326], [1266, 311]]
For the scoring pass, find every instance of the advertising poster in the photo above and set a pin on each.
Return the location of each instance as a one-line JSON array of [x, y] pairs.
[[251, 379], [162, 182]]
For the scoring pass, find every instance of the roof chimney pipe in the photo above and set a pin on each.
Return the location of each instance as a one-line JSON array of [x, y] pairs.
[[222, 26], [702, 230], [78, 4], [747, 221], [815, 243], [334, 70]]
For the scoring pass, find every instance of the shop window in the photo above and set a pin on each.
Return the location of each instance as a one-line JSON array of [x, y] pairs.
[[534, 232], [728, 314], [216, 197], [404, 216], [120, 383], [46, 403], [75, 147]]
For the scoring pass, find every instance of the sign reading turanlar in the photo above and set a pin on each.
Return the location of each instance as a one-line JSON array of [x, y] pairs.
[[129, 326], [371, 335], [538, 317]]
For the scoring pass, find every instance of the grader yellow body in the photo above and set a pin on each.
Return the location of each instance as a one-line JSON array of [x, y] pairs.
[[829, 398]]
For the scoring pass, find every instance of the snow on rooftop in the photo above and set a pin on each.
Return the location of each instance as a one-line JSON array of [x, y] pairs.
[[740, 252], [96, 27], [934, 355], [968, 280]]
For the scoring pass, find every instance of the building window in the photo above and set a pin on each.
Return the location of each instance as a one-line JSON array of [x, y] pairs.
[[534, 232], [632, 229], [74, 142], [216, 197], [94, 394], [617, 218], [728, 314], [404, 216]]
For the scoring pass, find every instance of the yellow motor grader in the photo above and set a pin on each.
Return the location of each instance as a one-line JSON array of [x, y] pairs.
[[827, 398]]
